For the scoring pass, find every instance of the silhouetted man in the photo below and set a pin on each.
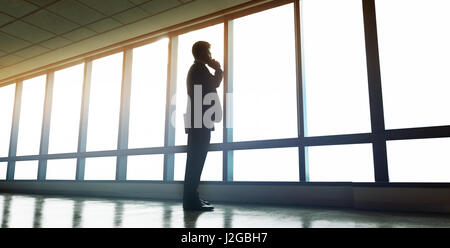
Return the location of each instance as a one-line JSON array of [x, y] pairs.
[[201, 89]]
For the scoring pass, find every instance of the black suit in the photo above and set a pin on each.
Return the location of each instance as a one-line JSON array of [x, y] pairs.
[[198, 137]]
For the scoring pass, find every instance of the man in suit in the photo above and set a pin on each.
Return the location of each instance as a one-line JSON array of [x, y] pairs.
[[201, 88]]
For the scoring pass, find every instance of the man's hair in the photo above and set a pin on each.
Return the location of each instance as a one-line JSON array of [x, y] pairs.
[[199, 47]]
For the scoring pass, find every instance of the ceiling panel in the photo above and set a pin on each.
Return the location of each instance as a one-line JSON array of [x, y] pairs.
[[75, 12], [131, 15], [79, 34], [139, 1], [104, 25], [10, 59], [17, 8], [27, 32], [52, 22], [5, 19], [10, 44], [31, 51], [55, 42], [30, 28], [42, 2], [108, 7], [157, 6]]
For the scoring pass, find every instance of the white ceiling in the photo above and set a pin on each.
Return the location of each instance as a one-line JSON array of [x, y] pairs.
[[36, 33], [30, 28]]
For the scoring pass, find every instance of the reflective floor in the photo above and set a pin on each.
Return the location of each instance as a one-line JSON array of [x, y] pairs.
[[18, 210]]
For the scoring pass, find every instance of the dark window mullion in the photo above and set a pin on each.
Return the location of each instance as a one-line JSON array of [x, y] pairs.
[[171, 88], [82, 135], [375, 92], [227, 171], [14, 132], [45, 131], [302, 153], [124, 117]]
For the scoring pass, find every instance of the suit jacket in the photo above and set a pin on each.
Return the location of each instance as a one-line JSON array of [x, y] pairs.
[[199, 75]]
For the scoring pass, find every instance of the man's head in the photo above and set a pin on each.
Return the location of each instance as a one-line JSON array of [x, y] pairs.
[[201, 52]]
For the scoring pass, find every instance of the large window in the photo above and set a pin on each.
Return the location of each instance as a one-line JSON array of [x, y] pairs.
[[348, 163], [66, 105], [103, 168], [145, 167], [420, 160], [335, 73], [280, 164], [264, 85], [272, 65], [3, 169], [212, 170], [26, 170], [61, 169], [414, 61], [148, 95], [104, 103], [31, 113], [6, 113], [213, 35]]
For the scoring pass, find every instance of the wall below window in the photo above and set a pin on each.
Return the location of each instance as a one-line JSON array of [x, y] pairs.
[[418, 197]]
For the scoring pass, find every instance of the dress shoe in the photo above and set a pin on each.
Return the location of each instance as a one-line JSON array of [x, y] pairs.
[[199, 206], [205, 202]]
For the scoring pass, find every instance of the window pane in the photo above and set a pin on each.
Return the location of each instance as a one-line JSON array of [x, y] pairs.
[[421, 160], [21, 212], [145, 167], [57, 213], [61, 169], [104, 105], [103, 168], [212, 170], [6, 112], [414, 62], [264, 84], [213, 35], [335, 72], [32, 109], [348, 163], [66, 105], [279, 164], [26, 170], [3, 169], [148, 95]]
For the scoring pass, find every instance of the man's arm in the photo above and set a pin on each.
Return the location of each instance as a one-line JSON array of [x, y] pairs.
[[214, 81]]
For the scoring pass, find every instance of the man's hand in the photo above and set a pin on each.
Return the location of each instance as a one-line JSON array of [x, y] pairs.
[[214, 64]]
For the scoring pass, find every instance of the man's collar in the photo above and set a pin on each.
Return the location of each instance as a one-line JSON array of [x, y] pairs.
[[198, 61]]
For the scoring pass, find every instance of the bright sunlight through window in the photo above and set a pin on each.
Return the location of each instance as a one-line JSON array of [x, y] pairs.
[[414, 61], [335, 73], [31, 113], [264, 85]]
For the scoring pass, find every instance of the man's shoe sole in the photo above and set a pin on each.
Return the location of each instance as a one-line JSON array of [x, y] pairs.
[[204, 208]]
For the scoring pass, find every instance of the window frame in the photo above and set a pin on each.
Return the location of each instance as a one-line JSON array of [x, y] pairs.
[[377, 137]]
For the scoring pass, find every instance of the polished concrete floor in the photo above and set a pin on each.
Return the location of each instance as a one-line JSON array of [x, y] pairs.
[[20, 210]]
